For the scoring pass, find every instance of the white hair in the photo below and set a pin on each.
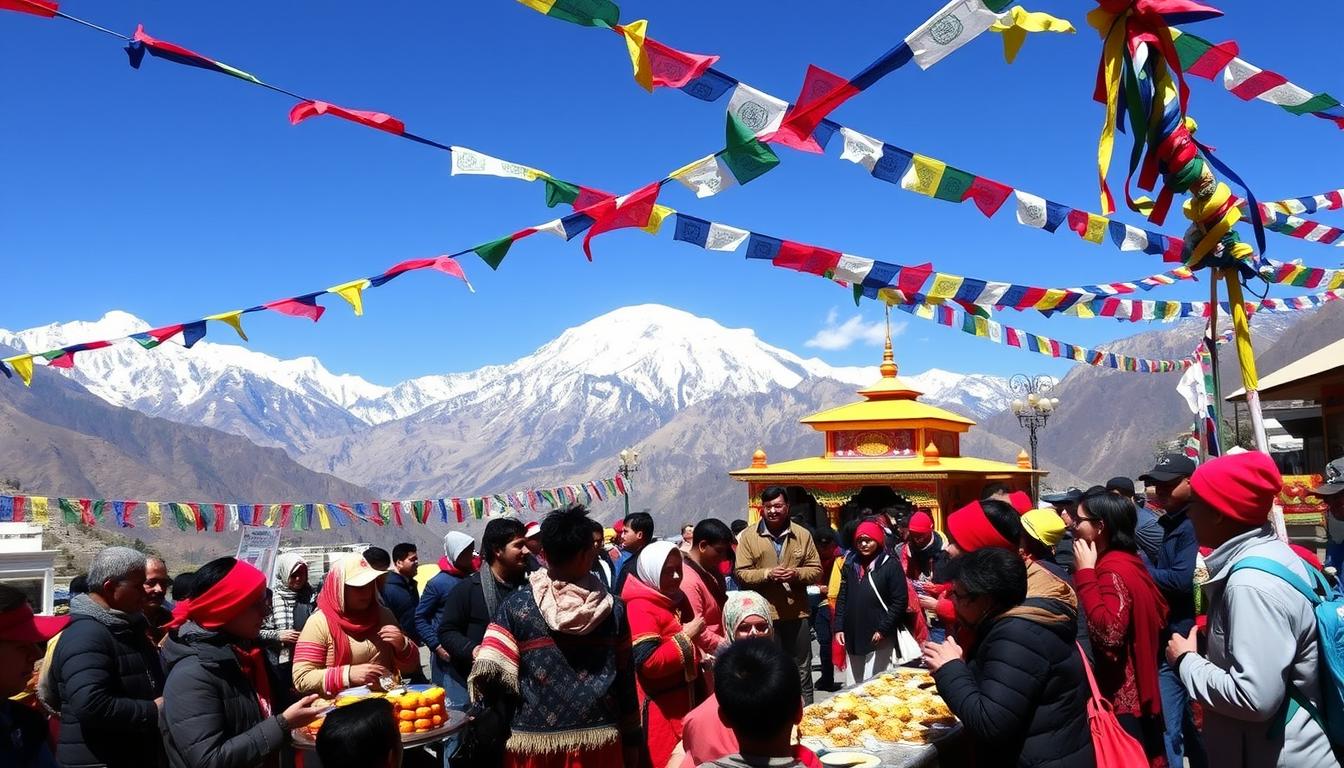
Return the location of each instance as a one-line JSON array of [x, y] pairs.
[[114, 564]]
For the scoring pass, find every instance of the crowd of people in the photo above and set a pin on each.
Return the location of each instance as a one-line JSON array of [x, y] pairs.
[[1181, 617]]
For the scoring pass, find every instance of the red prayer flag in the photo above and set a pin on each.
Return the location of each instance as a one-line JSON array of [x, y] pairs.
[[196, 513], [633, 211], [43, 8], [989, 195], [86, 512], [221, 517], [806, 258], [19, 501], [910, 279], [1213, 60], [822, 92], [383, 122], [299, 306], [396, 512], [672, 68]]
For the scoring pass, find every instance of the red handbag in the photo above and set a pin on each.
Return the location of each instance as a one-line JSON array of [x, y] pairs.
[[1114, 747]]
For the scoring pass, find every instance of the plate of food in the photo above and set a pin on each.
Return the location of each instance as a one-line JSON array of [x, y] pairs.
[[892, 708], [421, 712]]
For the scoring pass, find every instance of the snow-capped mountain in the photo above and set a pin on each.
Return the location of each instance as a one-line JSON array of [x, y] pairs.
[[663, 358]]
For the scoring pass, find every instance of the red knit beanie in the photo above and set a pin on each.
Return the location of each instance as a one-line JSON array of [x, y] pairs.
[[1020, 502], [1240, 486], [920, 522], [871, 530], [971, 529]]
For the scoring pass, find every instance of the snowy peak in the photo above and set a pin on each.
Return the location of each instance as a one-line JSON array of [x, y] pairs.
[[665, 357]]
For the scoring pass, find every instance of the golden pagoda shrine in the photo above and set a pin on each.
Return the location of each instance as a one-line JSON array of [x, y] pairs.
[[886, 445]]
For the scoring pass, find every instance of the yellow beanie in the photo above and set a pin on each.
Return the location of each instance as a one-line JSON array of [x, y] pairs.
[[1044, 525]]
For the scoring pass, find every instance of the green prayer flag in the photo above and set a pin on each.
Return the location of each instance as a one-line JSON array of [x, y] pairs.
[[953, 185], [558, 192], [69, 510], [493, 252], [589, 13], [1318, 103], [745, 155]]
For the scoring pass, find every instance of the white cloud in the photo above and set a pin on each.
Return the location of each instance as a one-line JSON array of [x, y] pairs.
[[835, 335]]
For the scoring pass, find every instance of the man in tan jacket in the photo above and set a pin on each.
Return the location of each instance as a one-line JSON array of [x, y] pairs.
[[778, 559]]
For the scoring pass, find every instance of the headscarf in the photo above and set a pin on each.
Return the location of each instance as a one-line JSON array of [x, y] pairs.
[[920, 522], [738, 607], [241, 587], [649, 566], [285, 565], [346, 624], [873, 531], [972, 530], [455, 542]]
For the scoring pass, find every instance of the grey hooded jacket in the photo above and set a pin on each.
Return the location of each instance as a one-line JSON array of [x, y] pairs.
[[1262, 636]]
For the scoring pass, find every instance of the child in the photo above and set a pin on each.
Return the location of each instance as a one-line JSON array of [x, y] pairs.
[[761, 699], [360, 735]]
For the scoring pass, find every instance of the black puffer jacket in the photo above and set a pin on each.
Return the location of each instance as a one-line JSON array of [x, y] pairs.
[[107, 676], [465, 617], [1022, 696], [859, 612], [211, 717]]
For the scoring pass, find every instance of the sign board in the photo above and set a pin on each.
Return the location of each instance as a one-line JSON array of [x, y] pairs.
[[259, 548]]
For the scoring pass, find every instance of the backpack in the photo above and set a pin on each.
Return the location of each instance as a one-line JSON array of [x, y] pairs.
[[1328, 605]]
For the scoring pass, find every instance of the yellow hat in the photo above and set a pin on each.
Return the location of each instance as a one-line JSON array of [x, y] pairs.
[[1044, 525], [609, 534]]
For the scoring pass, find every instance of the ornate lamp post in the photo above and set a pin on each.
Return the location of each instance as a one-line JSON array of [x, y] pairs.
[[1033, 410], [629, 466]]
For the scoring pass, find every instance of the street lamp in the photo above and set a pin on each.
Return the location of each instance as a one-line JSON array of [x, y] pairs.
[[1033, 410], [629, 466]]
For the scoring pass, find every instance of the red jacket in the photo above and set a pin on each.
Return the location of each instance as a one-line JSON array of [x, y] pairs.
[[705, 596], [667, 664]]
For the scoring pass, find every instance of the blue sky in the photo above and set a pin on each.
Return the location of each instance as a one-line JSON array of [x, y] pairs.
[[172, 193]]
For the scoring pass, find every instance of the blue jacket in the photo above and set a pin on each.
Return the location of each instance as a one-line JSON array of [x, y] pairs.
[[1174, 569], [402, 598], [430, 607]]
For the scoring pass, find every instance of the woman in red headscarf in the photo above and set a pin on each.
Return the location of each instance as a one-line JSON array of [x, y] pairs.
[[352, 639], [222, 702], [871, 608]]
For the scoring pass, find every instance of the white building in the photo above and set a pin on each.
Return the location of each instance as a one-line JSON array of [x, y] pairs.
[[26, 565]]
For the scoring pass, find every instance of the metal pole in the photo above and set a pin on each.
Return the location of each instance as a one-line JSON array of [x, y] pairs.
[[1035, 477], [627, 492]]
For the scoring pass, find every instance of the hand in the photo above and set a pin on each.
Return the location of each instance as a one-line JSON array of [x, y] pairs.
[[1178, 645], [789, 574], [392, 635], [777, 574], [928, 602], [938, 654], [1084, 555], [877, 638], [367, 674], [694, 627], [289, 636], [840, 638], [443, 655], [159, 703], [302, 712]]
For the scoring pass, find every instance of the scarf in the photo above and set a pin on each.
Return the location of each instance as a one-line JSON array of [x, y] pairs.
[[346, 624], [1148, 618], [1043, 586], [240, 588], [971, 530], [738, 607], [650, 562], [574, 608], [285, 565], [253, 663]]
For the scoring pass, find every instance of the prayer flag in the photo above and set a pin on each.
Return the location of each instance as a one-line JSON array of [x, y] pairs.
[[352, 292], [1016, 23], [383, 122], [445, 264], [708, 235], [1089, 226], [744, 158], [987, 194], [470, 162], [141, 42], [589, 13], [232, 319], [821, 93], [1033, 211], [760, 113], [956, 24], [861, 149], [22, 365], [39, 507], [1201, 58], [298, 306], [44, 8], [634, 34], [673, 68], [633, 210], [69, 510]]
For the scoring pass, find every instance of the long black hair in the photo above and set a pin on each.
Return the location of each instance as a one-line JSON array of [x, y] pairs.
[[1117, 515]]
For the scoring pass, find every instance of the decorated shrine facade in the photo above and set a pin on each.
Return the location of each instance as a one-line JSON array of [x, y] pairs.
[[886, 445]]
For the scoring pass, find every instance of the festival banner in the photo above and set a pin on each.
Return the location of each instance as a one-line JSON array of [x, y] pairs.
[[215, 517]]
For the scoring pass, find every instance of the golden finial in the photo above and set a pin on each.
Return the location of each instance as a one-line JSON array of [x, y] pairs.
[[758, 459], [1023, 460], [888, 368], [931, 455]]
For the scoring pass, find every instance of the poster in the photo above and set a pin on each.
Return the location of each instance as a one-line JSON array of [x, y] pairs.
[[259, 548], [1300, 505]]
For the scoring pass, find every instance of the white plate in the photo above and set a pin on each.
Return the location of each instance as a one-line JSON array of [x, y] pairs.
[[850, 759]]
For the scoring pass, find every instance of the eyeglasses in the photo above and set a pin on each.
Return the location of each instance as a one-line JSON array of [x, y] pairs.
[[1079, 519]]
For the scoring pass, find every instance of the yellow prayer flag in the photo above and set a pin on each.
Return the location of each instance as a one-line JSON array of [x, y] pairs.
[[1096, 228], [272, 515], [981, 326], [659, 213], [1079, 353], [154, 513], [38, 504], [924, 175], [541, 6], [1171, 310], [233, 319], [1020, 22], [352, 292], [945, 286], [22, 365], [925, 311], [639, 58], [1051, 299], [1082, 309], [322, 518], [1337, 281]]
